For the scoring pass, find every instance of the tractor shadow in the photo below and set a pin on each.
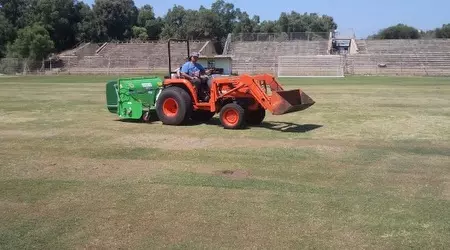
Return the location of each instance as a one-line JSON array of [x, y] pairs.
[[151, 120], [289, 127], [286, 127]]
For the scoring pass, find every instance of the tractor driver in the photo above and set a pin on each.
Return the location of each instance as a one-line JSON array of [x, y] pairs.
[[193, 71]]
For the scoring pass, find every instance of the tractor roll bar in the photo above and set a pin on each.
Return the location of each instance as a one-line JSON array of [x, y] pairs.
[[168, 47]]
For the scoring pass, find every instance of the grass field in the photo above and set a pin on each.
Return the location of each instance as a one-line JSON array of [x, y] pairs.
[[368, 166]]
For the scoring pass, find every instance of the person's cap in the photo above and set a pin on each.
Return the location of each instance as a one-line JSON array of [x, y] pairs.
[[196, 54]]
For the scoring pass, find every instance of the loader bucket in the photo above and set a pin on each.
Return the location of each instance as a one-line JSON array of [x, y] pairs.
[[289, 101]]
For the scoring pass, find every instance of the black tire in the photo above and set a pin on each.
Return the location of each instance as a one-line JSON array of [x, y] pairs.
[[255, 117], [202, 115], [183, 110], [232, 116]]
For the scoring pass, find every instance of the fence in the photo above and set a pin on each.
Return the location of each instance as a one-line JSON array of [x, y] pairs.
[[13, 66], [419, 64], [282, 36], [117, 65], [85, 65]]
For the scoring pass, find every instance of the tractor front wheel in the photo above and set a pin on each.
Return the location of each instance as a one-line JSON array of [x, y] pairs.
[[174, 106], [232, 116], [255, 117]]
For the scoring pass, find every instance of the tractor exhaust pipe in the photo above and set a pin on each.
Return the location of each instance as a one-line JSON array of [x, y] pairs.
[[289, 101]]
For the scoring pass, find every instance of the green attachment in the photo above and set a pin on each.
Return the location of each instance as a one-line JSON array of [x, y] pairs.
[[111, 96], [130, 110], [131, 97]]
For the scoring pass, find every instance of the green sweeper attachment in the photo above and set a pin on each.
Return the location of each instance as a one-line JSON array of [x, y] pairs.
[[133, 98]]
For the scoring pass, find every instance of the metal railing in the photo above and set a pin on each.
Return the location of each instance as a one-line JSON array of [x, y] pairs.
[[282, 36], [363, 64]]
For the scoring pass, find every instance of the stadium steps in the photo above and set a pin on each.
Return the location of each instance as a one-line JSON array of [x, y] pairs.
[[400, 64], [136, 56]]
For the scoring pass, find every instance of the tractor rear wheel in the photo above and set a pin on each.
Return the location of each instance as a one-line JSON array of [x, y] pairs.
[[202, 115], [232, 116], [174, 106], [255, 117]]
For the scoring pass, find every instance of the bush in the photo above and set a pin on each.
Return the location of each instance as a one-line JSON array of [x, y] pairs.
[[32, 42], [399, 31]]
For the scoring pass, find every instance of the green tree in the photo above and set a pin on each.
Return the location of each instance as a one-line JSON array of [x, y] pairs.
[[268, 27], [428, 34], [145, 14], [227, 17], [194, 24], [175, 22], [60, 18], [312, 22], [399, 31], [284, 22], [32, 42], [86, 25], [16, 11], [114, 19], [140, 33], [443, 32], [244, 24], [147, 19], [6, 34], [202, 24]]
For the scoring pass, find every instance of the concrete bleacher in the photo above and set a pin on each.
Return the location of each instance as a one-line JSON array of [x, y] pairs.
[[421, 57], [320, 65], [134, 57], [270, 48], [262, 56], [418, 64], [407, 57], [372, 57], [403, 46], [149, 55]]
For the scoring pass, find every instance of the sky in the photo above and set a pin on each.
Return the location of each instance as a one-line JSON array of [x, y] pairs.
[[364, 17]]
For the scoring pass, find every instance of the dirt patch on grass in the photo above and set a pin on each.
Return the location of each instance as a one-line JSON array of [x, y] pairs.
[[48, 165], [233, 174], [446, 191], [163, 141], [14, 120], [30, 134], [178, 142]]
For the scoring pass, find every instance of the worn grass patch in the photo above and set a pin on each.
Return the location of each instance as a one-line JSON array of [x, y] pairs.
[[368, 166]]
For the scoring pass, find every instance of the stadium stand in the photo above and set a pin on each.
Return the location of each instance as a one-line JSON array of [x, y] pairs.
[[420, 57], [131, 57], [262, 56], [403, 46], [261, 53], [320, 65], [419, 64], [415, 57]]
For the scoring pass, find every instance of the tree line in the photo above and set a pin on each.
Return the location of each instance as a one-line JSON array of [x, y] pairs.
[[403, 31], [34, 28]]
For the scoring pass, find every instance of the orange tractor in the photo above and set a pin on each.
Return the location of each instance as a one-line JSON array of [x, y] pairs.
[[239, 100]]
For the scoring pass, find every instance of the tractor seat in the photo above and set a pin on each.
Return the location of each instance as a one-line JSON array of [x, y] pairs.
[[176, 74]]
